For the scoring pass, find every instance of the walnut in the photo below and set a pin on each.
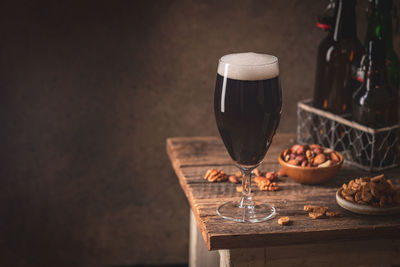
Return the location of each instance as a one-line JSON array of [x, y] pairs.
[[213, 175], [265, 184]]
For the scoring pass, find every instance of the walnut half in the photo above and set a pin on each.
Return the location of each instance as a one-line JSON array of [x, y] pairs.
[[213, 175]]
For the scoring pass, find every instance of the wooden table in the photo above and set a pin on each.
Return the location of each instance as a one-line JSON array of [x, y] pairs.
[[345, 241]]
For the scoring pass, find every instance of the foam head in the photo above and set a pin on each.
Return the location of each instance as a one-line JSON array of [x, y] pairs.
[[248, 66]]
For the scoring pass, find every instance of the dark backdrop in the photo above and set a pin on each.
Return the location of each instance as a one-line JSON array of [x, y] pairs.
[[90, 92]]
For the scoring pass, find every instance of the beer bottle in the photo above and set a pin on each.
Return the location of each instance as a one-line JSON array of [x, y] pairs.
[[375, 106], [380, 25], [375, 102], [338, 55]]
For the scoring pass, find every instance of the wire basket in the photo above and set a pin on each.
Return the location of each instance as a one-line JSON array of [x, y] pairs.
[[367, 148]]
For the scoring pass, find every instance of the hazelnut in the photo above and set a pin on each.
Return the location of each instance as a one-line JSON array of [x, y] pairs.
[[233, 179]]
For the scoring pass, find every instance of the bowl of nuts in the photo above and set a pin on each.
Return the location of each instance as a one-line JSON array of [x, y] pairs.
[[371, 196], [310, 164]]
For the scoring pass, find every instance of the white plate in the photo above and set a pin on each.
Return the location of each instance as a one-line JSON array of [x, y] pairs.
[[364, 209]]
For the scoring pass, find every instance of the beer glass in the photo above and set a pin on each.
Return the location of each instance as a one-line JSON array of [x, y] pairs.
[[247, 106]]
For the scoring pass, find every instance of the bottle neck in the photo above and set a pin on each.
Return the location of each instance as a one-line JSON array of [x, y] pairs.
[[380, 22], [345, 20]]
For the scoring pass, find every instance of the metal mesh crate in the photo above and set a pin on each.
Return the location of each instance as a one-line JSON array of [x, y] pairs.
[[367, 148]]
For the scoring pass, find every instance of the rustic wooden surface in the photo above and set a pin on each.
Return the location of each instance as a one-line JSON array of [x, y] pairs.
[[382, 252], [191, 157]]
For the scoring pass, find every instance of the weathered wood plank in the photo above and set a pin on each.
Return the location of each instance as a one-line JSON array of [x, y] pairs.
[[191, 157], [197, 151]]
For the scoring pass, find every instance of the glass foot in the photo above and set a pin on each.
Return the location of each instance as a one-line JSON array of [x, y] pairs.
[[258, 213]]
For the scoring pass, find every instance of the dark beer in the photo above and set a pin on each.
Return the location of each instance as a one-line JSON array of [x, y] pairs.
[[247, 109]]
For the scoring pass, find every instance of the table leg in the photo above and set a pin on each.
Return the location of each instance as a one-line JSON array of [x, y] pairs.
[[199, 256]]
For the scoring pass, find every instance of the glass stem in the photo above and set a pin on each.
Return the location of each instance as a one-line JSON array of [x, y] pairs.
[[246, 200]]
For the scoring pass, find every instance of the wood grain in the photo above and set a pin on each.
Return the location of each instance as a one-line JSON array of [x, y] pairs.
[[192, 156], [383, 252]]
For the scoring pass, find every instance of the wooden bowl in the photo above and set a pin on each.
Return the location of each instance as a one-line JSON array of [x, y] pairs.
[[310, 175]]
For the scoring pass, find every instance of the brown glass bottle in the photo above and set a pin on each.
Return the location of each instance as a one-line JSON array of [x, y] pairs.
[[375, 106], [335, 79], [338, 54], [375, 102]]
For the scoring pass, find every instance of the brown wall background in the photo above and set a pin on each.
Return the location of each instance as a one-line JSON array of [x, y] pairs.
[[90, 92]]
